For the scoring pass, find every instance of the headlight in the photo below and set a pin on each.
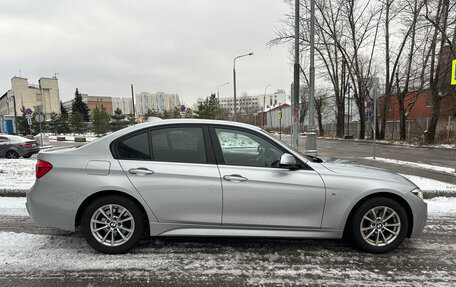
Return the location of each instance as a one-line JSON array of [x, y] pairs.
[[418, 193]]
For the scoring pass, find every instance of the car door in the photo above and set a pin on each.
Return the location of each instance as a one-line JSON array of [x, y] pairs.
[[256, 191], [175, 172], [4, 144]]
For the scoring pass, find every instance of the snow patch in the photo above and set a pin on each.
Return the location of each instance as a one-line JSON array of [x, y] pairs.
[[431, 185], [415, 164]]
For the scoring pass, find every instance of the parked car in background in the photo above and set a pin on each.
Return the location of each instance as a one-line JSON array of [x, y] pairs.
[[16, 146], [188, 177]]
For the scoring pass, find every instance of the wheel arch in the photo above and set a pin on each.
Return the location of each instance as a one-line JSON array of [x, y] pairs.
[[392, 196], [103, 193]]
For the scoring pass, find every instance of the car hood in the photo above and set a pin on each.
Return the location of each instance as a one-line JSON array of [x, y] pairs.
[[362, 171]]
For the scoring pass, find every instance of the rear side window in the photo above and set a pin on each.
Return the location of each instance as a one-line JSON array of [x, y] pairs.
[[135, 147], [184, 144]]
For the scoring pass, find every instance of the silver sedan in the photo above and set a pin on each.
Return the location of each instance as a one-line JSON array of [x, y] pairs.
[[217, 178]]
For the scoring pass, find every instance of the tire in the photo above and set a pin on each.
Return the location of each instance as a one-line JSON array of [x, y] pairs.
[[379, 225], [120, 233], [11, 154]]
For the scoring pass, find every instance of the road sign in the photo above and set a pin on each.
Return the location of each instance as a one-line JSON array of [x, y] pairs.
[[369, 104], [29, 116], [453, 72], [38, 109], [182, 108], [39, 118], [28, 111], [368, 114], [280, 114], [182, 114], [29, 121]]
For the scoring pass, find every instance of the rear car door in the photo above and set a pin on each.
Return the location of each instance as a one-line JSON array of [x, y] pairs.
[[256, 191], [174, 170], [4, 144]]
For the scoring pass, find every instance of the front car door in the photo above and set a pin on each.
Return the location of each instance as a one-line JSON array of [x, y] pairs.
[[256, 191], [175, 172]]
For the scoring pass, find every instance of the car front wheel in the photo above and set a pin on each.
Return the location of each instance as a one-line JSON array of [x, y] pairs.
[[112, 224], [379, 225]]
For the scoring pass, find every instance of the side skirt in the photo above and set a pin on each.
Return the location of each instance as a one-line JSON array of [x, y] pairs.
[[170, 229]]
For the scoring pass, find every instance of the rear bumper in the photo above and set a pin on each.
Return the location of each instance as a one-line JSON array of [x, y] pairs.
[[52, 206]]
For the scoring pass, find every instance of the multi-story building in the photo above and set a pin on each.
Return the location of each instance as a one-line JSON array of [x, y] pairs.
[[246, 104], [98, 102], [124, 104], [23, 94], [92, 102], [158, 102]]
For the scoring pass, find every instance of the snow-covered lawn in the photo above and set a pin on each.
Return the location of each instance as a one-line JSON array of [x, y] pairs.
[[16, 174], [415, 164], [428, 185]]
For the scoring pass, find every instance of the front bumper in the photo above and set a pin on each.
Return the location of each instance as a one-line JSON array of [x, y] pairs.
[[419, 211], [52, 206]]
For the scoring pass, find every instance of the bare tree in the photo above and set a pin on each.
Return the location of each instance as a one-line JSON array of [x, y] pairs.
[[320, 106], [442, 45]]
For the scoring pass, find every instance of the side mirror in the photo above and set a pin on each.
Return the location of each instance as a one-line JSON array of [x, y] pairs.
[[287, 160]]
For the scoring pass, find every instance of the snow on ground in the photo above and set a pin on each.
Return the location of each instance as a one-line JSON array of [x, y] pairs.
[[17, 174], [415, 164], [430, 185], [13, 206]]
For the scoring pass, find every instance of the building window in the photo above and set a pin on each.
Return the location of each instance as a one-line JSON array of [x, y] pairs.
[[428, 104], [389, 108]]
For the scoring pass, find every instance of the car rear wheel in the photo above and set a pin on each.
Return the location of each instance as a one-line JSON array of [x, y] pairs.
[[379, 225], [11, 154], [112, 224]]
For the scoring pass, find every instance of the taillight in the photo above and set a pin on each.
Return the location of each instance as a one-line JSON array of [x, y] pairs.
[[25, 144], [42, 167]]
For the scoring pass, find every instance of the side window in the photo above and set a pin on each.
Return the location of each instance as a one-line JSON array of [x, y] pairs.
[[184, 144], [246, 149], [135, 147]]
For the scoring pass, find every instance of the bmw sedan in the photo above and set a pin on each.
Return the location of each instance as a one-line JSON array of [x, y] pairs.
[[16, 146], [216, 178]]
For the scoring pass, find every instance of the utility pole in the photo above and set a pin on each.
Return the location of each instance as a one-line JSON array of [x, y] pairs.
[[295, 98], [234, 82], [133, 101], [311, 138], [15, 113], [264, 102]]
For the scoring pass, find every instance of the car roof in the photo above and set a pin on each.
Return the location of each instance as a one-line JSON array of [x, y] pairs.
[[13, 137], [159, 122]]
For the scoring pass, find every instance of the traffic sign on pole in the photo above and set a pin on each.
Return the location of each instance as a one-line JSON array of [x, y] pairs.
[[28, 111], [182, 108], [38, 109], [29, 121], [453, 72]]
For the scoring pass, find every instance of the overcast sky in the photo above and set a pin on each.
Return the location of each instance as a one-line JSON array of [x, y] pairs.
[[175, 46]]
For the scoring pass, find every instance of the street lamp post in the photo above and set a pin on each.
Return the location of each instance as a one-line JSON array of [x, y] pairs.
[[264, 102], [234, 82], [219, 87]]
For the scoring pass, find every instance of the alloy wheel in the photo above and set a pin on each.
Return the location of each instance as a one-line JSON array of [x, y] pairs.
[[112, 225], [380, 226]]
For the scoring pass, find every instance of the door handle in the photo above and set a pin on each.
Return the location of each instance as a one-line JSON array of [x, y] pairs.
[[234, 178], [140, 171]]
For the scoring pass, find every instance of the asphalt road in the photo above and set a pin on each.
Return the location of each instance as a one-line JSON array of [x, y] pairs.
[[63, 259]]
